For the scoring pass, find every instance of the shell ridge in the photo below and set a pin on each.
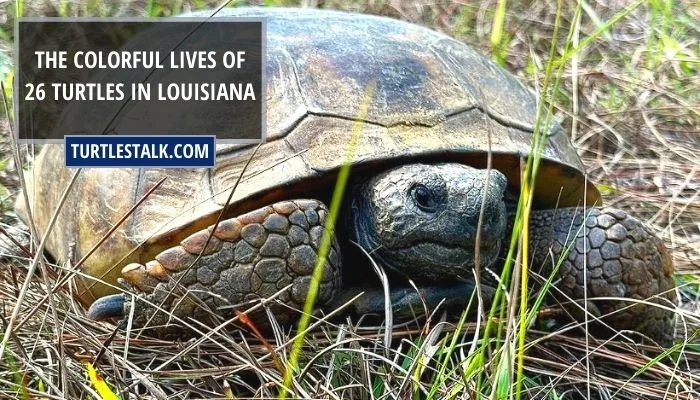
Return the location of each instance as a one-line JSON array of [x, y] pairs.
[[481, 103], [302, 93], [500, 119], [294, 125], [323, 114]]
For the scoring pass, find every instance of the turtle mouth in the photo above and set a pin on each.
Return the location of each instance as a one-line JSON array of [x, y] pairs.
[[438, 261]]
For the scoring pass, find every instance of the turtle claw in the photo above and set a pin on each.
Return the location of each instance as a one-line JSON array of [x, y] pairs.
[[107, 307], [143, 277]]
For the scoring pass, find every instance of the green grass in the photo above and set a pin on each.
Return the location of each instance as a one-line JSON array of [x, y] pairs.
[[326, 239], [19, 378], [499, 41]]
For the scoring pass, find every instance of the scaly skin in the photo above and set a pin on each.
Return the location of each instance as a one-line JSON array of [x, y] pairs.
[[420, 221], [623, 259], [248, 258], [433, 241]]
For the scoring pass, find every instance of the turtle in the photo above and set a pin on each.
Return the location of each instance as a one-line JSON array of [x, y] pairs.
[[435, 176]]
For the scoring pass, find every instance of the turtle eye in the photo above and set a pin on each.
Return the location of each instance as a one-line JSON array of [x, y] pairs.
[[424, 198]]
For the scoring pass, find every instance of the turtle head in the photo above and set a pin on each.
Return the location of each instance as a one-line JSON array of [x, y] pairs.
[[421, 219]]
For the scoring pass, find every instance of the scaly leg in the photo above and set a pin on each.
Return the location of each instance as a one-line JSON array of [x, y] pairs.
[[248, 258], [622, 259]]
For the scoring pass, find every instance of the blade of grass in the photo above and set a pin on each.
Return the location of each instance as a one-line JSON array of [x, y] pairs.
[[498, 22], [601, 30], [530, 180], [35, 262], [326, 239], [99, 383], [498, 42]]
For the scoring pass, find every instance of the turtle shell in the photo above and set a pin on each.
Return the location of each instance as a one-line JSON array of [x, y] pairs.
[[436, 99]]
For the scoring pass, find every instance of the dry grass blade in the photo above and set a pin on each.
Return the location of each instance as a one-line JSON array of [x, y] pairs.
[[60, 284], [35, 263], [15, 242]]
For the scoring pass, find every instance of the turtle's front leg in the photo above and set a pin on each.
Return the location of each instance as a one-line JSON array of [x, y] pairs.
[[254, 256], [622, 258]]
